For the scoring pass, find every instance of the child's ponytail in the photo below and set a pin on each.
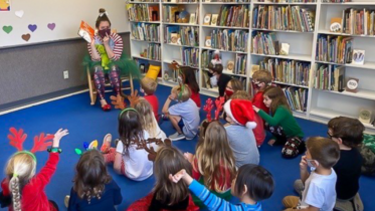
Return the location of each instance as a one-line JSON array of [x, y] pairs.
[[14, 186]]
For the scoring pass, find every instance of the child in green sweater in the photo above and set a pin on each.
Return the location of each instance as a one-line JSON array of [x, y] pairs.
[[280, 122]]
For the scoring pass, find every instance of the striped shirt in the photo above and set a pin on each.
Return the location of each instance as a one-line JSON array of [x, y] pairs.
[[215, 203], [117, 49]]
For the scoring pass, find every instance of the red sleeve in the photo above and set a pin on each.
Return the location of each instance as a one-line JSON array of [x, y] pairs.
[[5, 187], [195, 174], [45, 174], [258, 102], [90, 52], [119, 46]]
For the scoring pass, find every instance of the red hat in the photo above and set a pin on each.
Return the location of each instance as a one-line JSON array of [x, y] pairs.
[[241, 111]]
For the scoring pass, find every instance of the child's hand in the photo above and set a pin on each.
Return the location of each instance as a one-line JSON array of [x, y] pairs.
[[256, 109], [303, 163], [172, 96], [178, 176], [106, 39], [189, 157], [58, 136]]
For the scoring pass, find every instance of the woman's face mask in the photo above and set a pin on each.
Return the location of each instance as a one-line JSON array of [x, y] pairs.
[[228, 92], [102, 33]]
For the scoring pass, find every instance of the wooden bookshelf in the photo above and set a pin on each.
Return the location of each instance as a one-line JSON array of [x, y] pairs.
[[322, 105]]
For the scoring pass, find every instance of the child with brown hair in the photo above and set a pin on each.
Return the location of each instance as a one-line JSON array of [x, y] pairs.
[[148, 88], [281, 122], [94, 189], [22, 188], [251, 185], [218, 78], [187, 75], [261, 79], [166, 195], [232, 87], [184, 115], [319, 194], [213, 163]]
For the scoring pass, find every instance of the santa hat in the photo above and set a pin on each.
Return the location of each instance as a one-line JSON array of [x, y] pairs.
[[241, 111]]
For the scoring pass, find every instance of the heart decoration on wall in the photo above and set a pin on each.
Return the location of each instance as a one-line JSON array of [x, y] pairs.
[[26, 37], [51, 26], [19, 13], [7, 29], [32, 27]]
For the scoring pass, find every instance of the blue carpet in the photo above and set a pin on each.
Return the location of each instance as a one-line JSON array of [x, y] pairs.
[[87, 123]]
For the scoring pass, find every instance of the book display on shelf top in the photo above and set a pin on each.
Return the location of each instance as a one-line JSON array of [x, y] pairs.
[[327, 44]]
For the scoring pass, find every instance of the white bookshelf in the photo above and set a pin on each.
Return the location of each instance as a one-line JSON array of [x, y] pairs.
[[322, 105]]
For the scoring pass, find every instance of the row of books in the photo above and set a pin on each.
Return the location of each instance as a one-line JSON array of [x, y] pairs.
[[241, 63], [144, 31], [178, 14], [146, 0], [336, 49], [237, 16], [264, 43], [153, 52], [229, 39], [336, 1], [206, 57], [225, 0], [287, 71], [296, 97], [181, 35], [190, 56], [143, 12], [329, 77], [179, 1], [359, 22], [287, 1], [283, 18]]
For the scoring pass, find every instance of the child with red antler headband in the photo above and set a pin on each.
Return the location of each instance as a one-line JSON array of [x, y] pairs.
[[22, 189]]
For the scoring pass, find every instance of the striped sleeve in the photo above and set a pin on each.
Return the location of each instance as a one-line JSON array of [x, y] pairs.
[[119, 46], [210, 200], [90, 52]]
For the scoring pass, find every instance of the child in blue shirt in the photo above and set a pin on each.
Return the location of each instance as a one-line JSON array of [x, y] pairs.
[[252, 184]]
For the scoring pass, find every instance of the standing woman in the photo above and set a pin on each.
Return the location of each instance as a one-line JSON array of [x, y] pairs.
[[106, 57]]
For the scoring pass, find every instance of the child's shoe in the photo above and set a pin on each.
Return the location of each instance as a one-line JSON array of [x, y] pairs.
[[177, 136], [106, 143], [66, 201]]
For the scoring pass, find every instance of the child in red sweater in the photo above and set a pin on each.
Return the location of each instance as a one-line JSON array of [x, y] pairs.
[[262, 79], [148, 87], [22, 189]]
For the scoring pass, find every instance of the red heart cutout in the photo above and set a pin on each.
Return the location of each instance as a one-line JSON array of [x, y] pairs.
[[26, 37]]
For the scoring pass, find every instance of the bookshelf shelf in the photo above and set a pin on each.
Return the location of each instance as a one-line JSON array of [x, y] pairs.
[[285, 3], [283, 31], [367, 65], [180, 24], [362, 93], [349, 4], [142, 2], [175, 45], [297, 57], [226, 72], [144, 40], [146, 22], [214, 49], [288, 84], [344, 34], [179, 62], [180, 2], [225, 27], [226, 3], [139, 57]]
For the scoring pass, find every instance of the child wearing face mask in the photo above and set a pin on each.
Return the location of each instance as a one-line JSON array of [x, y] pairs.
[[261, 79], [148, 88], [233, 86], [218, 78], [319, 194]]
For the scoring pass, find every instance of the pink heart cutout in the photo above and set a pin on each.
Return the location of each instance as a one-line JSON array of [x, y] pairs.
[[51, 26]]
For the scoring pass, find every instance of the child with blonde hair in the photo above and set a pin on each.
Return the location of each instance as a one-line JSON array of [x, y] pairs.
[[165, 195], [148, 88], [214, 163], [281, 123], [23, 189], [184, 115], [94, 189]]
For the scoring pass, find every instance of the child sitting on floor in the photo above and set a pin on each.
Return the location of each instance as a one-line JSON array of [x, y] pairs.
[[148, 87], [188, 77], [240, 118], [319, 194], [281, 123], [22, 188], [218, 78], [262, 80], [214, 163], [127, 159], [252, 185], [184, 115], [166, 195], [148, 120], [232, 87], [94, 189]]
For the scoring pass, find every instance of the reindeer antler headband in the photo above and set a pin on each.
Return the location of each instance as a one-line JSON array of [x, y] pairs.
[[209, 106], [17, 138]]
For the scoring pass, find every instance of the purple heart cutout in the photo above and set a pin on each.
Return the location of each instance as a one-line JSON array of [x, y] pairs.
[[51, 26], [32, 27]]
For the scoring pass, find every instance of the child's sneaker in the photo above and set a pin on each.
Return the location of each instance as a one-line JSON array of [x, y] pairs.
[[106, 143], [176, 137], [66, 201]]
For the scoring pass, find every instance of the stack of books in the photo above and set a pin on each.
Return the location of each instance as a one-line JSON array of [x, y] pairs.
[[265, 43], [336, 49], [329, 77], [283, 18], [143, 12], [181, 35], [148, 32], [241, 63], [229, 39], [237, 16], [190, 56], [287, 71], [206, 57], [359, 22], [297, 98], [153, 52]]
